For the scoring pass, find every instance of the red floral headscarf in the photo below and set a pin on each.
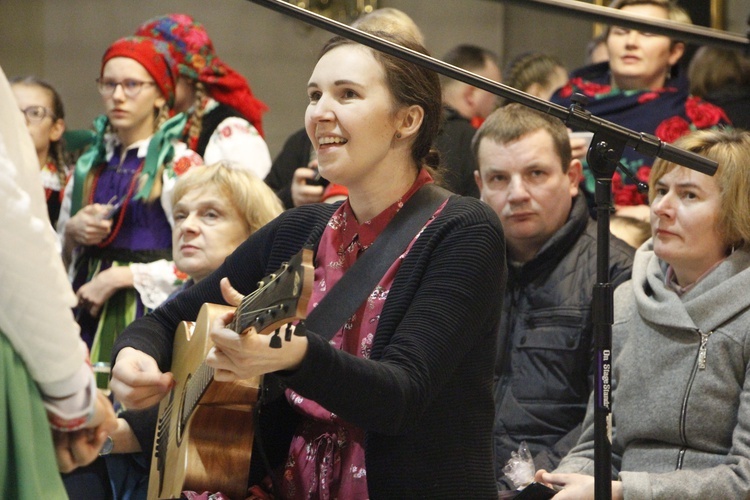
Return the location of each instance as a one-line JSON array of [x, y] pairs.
[[197, 60], [154, 55]]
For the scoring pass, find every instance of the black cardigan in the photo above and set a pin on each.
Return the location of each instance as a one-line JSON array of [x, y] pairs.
[[424, 397]]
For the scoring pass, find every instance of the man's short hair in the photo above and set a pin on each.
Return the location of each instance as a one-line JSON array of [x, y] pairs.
[[512, 122], [468, 57]]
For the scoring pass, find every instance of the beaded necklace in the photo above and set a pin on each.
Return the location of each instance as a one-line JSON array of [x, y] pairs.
[[125, 201]]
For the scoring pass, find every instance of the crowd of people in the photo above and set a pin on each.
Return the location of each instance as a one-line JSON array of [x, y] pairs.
[[471, 340]]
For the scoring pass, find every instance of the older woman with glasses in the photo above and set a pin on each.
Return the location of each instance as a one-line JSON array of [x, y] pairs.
[[45, 119], [118, 209]]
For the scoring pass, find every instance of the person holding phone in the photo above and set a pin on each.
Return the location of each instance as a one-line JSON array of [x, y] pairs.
[[118, 209]]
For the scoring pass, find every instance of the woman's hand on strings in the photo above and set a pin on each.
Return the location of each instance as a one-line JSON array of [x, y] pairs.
[[137, 381], [242, 356]]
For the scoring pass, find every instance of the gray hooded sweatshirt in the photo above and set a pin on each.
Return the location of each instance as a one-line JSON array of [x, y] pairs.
[[681, 394]]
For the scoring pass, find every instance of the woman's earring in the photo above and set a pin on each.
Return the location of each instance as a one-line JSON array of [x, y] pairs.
[[398, 135]]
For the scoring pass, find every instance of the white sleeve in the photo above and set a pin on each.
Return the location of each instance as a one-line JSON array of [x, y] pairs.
[[155, 281], [237, 140], [183, 160], [36, 314]]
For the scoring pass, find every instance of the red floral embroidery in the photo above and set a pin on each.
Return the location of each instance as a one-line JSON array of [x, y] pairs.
[[643, 173], [182, 165], [61, 424], [672, 129], [647, 97], [703, 114], [590, 88], [179, 274], [628, 194], [566, 91], [226, 131]]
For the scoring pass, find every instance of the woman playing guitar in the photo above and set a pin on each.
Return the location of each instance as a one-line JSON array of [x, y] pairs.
[[399, 402]]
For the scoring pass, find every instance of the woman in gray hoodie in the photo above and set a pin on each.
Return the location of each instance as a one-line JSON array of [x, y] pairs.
[[681, 341]]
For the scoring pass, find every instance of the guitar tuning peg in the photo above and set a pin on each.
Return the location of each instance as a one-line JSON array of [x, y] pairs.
[[273, 276], [260, 284], [300, 330], [288, 332], [276, 340]]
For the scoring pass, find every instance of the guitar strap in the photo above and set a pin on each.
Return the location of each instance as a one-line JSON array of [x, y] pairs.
[[343, 300]]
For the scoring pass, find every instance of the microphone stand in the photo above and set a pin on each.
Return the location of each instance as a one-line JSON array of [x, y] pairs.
[[606, 149], [673, 29]]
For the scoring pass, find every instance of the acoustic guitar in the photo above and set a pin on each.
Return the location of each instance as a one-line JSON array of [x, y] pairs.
[[204, 435]]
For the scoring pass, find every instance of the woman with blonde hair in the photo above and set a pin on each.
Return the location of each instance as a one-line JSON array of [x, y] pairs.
[[231, 201], [216, 208], [681, 340]]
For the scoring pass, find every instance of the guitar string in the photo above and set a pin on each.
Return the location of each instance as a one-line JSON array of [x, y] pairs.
[[203, 375]]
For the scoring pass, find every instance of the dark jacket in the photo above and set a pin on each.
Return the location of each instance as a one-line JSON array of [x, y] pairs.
[[544, 366], [424, 397], [211, 121], [735, 101], [454, 144], [294, 154]]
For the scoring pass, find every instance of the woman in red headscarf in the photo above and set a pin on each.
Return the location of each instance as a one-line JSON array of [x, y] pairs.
[[224, 118], [117, 211]]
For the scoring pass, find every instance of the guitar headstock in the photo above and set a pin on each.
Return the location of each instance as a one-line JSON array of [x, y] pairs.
[[281, 297]]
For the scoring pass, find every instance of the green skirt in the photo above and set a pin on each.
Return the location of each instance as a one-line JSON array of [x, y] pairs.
[[124, 307], [28, 469]]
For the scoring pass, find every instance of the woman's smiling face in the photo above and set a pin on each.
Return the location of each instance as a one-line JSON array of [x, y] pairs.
[[351, 119]]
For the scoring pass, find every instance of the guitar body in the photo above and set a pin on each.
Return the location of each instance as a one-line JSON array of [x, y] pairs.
[[204, 435], [213, 451]]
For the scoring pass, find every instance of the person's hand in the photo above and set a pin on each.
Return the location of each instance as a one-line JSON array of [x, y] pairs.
[[95, 293], [137, 381], [87, 226], [124, 438], [78, 448], [579, 144], [238, 357], [302, 192], [574, 486]]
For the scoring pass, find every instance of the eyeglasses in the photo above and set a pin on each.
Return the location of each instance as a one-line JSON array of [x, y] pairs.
[[131, 88], [35, 114]]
